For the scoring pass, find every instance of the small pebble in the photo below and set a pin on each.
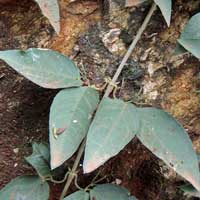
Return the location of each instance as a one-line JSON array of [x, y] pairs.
[[16, 150], [118, 181]]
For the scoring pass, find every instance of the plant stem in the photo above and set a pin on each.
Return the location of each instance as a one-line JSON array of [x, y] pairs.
[[130, 50], [74, 168], [107, 93]]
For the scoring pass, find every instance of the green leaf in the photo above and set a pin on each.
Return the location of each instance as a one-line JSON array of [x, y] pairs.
[[189, 190], [192, 29], [80, 195], [179, 50], [40, 159], [166, 9], [44, 67], [193, 46], [70, 117], [50, 9], [25, 188], [167, 139], [113, 127], [190, 37], [110, 192]]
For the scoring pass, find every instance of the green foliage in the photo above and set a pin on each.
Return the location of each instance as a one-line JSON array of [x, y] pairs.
[[50, 9], [102, 192], [46, 68], [40, 159], [110, 192], [80, 195], [167, 139], [113, 127], [26, 188], [166, 9], [179, 50], [189, 190], [190, 37], [70, 116]]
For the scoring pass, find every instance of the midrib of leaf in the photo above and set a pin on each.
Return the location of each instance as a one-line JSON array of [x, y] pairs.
[[114, 125], [78, 105], [32, 72]]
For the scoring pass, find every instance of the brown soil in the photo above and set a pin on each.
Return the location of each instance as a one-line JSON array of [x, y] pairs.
[[24, 107]]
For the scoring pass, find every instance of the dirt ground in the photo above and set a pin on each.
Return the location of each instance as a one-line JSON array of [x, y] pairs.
[[153, 76]]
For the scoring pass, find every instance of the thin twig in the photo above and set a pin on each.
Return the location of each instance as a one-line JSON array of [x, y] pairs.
[[75, 166], [50, 178], [107, 93], [130, 50]]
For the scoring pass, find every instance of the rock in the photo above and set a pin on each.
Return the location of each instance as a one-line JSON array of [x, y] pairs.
[[181, 99], [16, 150], [76, 18], [118, 181], [83, 8], [116, 13], [112, 41]]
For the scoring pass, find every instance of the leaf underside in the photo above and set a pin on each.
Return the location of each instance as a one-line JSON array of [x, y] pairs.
[[113, 127], [110, 192], [70, 116], [26, 188], [50, 9], [44, 67]]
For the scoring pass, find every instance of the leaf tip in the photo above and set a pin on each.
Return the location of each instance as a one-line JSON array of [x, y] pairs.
[[56, 160], [168, 21], [87, 169], [91, 165]]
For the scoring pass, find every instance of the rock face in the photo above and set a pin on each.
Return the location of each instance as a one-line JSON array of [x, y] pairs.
[[76, 17]]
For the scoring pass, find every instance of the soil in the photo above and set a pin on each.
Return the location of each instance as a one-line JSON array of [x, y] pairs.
[[153, 76]]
